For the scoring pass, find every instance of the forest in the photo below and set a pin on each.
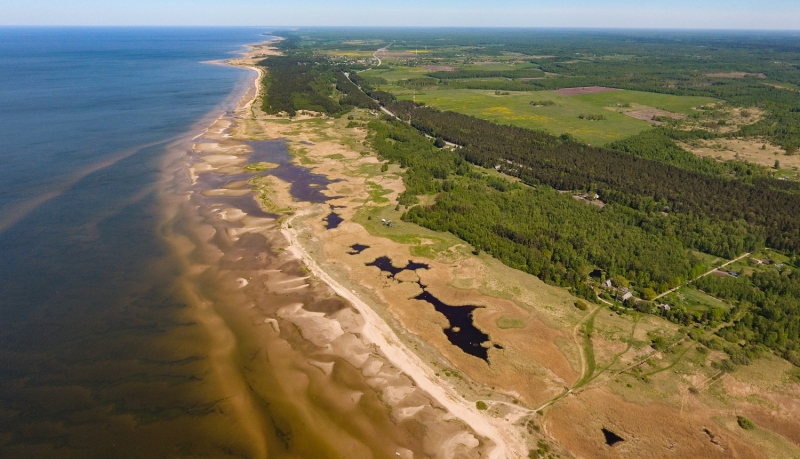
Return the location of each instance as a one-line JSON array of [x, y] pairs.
[[647, 185], [770, 302]]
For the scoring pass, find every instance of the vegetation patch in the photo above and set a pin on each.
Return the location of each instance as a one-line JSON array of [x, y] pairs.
[[509, 322], [745, 423]]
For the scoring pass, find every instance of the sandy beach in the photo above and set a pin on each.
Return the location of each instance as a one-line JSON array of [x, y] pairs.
[[427, 412]]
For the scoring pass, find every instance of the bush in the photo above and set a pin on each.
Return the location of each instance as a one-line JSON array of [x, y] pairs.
[[581, 305], [745, 423], [481, 405]]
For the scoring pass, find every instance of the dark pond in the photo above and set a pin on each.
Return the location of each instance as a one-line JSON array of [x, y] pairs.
[[305, 185], [333, 220], [357, 249], [462, 331], [413, 266], [611, 438], [385, 264]]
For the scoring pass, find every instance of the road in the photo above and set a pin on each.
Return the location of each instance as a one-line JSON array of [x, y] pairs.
[[375, 54], [703, 275]]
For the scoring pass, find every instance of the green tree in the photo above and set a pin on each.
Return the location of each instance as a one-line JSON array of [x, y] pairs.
[[649, 294], [620, 281]]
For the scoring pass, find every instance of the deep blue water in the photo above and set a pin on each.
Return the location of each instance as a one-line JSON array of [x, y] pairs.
[[71, 98], [87, 302]]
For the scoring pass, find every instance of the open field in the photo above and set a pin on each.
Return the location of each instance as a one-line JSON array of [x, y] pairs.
[[756, 151], [694, 299], [396, 73], [583, 90], [349, 53], [562, 117]]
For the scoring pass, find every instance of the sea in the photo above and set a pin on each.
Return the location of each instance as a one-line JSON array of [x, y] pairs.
[[96, 357]]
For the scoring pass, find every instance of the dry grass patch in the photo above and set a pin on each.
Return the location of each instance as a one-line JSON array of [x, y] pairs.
[[652, 115], [756, 151], [652, 430]]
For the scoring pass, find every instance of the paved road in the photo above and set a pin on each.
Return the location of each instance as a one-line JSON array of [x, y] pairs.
[[375, 54]]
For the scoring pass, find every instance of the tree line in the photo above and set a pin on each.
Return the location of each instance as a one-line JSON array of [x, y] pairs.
[[564, 164]]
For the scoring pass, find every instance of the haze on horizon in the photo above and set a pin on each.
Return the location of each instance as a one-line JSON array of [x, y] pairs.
[[679, 14]]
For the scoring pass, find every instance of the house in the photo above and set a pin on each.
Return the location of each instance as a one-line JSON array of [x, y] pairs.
[[607, 283], [664, 307], [627, 296]]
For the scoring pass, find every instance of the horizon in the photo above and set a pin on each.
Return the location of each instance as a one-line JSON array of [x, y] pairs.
[[777, 15], [271, 29]]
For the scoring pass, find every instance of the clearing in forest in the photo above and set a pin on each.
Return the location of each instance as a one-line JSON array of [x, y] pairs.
[[564, 114], [757, 151]]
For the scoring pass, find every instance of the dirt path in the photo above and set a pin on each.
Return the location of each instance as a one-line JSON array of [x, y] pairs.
[[703, 275]]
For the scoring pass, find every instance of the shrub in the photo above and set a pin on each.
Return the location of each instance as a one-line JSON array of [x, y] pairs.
[[581, 305], [481, 405], [745, 423]]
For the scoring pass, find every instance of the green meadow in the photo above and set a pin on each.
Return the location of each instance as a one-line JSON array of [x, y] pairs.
[[516, 109], [396, 73]]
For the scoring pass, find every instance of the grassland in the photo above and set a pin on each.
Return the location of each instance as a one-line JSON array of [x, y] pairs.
[[397, 73], [694, 299], [515, 108]]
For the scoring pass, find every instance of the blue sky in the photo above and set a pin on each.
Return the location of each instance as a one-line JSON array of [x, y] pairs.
[[705, 14]]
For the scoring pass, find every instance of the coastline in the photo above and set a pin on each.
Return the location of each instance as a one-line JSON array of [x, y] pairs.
[[245, 308], [372, 324], [377, 331]]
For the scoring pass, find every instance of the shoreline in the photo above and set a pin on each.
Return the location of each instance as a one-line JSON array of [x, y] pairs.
[[401, 409], [376, 331]]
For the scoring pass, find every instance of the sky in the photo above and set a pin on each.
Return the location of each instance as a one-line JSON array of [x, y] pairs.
[[693, 14]]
